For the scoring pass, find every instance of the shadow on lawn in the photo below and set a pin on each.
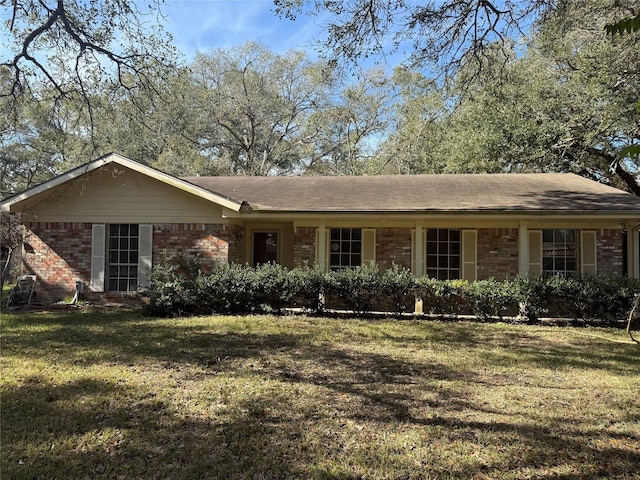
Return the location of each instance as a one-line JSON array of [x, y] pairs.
[[324, 418], [95, 429]]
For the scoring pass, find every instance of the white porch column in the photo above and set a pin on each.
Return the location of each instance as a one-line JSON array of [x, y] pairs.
[[418, 250], [523, 248], [321, 245], [418, 262]]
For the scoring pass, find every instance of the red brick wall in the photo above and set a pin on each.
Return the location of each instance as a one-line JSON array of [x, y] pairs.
[[497, 253], [304, 246], [60, 253], [609, 244], [209, 241], [393, 246], [236, 236]]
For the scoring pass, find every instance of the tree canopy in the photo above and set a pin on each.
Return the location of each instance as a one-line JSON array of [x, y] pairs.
[[566, 104], [563, 100], [63, 50], [432, 34]]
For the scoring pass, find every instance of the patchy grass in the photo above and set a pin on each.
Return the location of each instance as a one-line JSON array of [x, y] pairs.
[[116, 395]]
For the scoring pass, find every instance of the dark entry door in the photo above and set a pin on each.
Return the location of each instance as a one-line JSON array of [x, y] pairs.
[[265, 247]]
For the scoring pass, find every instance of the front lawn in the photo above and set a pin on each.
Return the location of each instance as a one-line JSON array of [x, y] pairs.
[[116, 395]]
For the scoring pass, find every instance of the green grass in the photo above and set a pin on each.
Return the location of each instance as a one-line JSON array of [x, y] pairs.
[[116, 395]]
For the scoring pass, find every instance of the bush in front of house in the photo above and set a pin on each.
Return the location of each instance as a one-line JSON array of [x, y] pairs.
[[355, 289], [175, 287], [397, 286], [180, 286], [490, 299], [441, 297]]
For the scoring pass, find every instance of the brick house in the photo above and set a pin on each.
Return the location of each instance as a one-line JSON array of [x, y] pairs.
[[106, 222]]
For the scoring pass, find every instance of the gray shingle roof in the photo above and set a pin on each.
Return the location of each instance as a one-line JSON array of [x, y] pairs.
[[423, 193]]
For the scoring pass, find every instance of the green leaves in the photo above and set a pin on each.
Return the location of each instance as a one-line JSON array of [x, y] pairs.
[[627, 25]]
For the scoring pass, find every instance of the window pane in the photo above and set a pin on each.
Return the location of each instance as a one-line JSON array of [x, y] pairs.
[[560, 253], [443, 253], [122, 257], [345, 248]]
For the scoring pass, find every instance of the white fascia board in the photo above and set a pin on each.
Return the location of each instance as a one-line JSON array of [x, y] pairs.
[[125, 162]]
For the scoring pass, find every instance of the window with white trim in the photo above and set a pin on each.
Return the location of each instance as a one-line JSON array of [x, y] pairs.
[[559, 252], [122, 257], [345, 248], [443, 253]]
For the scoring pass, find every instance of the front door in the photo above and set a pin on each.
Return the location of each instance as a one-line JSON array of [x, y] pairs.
[[265, 247]]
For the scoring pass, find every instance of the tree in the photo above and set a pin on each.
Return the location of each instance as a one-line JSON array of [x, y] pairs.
[[61, 50], [251, 105], [12, 236], [445, 34], [567, 104], [416, 128], [346, 133], [258, 113]]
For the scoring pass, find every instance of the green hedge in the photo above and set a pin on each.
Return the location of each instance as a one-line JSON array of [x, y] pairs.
[[181, 287]]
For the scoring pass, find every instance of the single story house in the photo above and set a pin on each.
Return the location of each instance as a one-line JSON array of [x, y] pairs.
[[107, 222]]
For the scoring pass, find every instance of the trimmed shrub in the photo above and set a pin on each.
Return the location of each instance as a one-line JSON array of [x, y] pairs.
[[357, 288], [179, 287], [532, 295], [309, 286], [490, 299], [397, 287], [441, 297], [174, 287], [274, 287]]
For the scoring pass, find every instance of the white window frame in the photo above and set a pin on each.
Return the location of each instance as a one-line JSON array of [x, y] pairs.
[[99, 260]]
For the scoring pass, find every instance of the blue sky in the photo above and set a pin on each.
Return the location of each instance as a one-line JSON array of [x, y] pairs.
[[199, 25]]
